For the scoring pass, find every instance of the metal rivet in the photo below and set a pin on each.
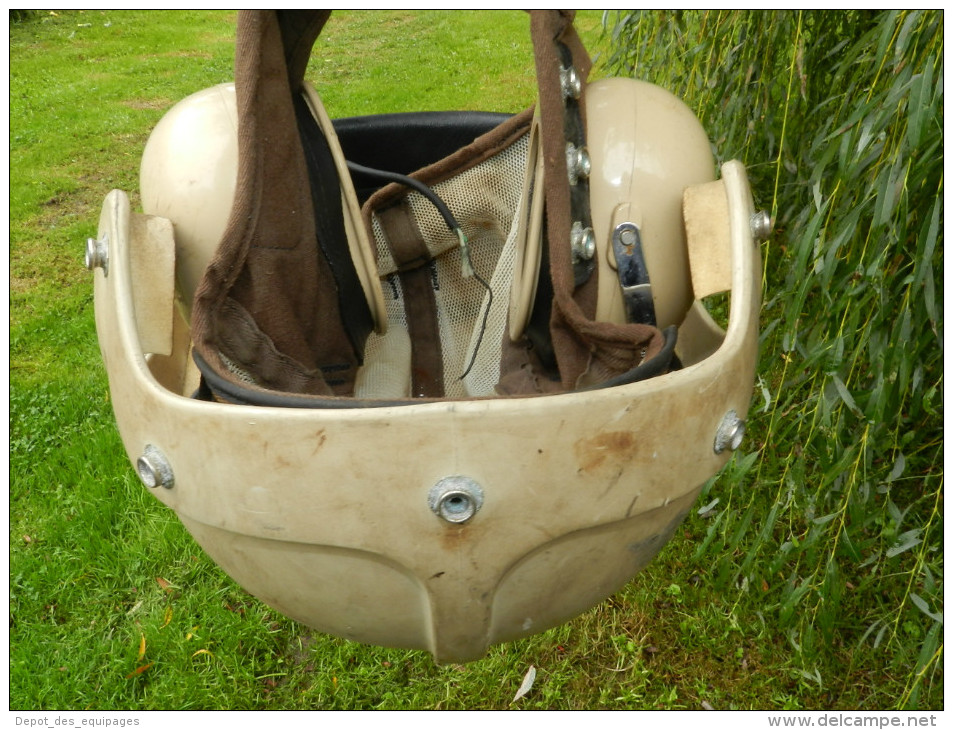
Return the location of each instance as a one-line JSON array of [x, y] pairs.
[[97, 254], [627, 234], [154, 469], [730, 433], [455, 499], [571, 83], [578, 163], [760, 225], [583, 242]]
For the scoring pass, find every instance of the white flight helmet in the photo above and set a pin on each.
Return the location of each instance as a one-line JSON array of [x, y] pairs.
[[443, 475]]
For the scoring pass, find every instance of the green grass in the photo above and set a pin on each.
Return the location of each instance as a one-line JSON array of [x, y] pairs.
[[816, 580]]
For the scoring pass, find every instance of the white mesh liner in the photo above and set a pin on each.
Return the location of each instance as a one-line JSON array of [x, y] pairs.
[[386, 371], [236, 370], [485, 200], [373, 379], [485, 351]]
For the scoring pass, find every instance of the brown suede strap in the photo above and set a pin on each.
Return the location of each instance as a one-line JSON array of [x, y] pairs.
[[583, 346], [299, 30], [417, 276]]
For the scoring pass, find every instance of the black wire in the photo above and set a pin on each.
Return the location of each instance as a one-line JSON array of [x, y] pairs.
[[452, 224], [411, 183], [486, 316]]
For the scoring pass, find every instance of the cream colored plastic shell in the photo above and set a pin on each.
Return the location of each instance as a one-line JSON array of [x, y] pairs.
[[646, 146], [188, 174], [324, 514]]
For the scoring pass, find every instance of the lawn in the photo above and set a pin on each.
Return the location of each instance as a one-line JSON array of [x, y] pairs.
[[810, 574]]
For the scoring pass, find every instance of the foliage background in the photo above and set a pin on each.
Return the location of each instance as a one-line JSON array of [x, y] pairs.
[[810, 576], [839, 115]]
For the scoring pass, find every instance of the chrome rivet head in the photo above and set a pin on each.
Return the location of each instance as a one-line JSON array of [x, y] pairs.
[[731, 432], [455, 499], [154, 469], [578, 163], [760, 225], [627, 234], [583, 242], [97, 254], [571, 83]]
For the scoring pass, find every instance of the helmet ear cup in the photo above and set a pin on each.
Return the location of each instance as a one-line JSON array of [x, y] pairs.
[[188, 174], [645, 148]]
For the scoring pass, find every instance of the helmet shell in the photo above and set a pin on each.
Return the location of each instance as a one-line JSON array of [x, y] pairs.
[[329, 516], [188, 172]]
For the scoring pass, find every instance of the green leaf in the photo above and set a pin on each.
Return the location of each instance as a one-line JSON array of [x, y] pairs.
[[919, 104], [929, 299], [930, 644], [908, 540], [880, 635], [766, 394], [845, 395], [706, 510], [923, 606], [903, 36], [928, 241], [847, 545], [898, 467], [814, 676], [888, 192]]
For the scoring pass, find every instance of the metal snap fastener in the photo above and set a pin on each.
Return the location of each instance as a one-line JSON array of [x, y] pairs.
[[760, 225], [571, 83], [578, 163], [582, 242], [154, 469], [730, 433], [455, 499], [97, 254]]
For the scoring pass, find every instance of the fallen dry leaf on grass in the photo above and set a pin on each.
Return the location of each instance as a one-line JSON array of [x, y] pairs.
[[527, 684], [139, 670]]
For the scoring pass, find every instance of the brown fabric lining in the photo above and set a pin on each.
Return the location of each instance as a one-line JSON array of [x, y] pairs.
[[268, 262], [243, 343], [417, 277], [521, 372]]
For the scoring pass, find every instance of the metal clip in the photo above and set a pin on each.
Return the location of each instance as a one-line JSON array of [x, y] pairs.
[[633, 274]]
